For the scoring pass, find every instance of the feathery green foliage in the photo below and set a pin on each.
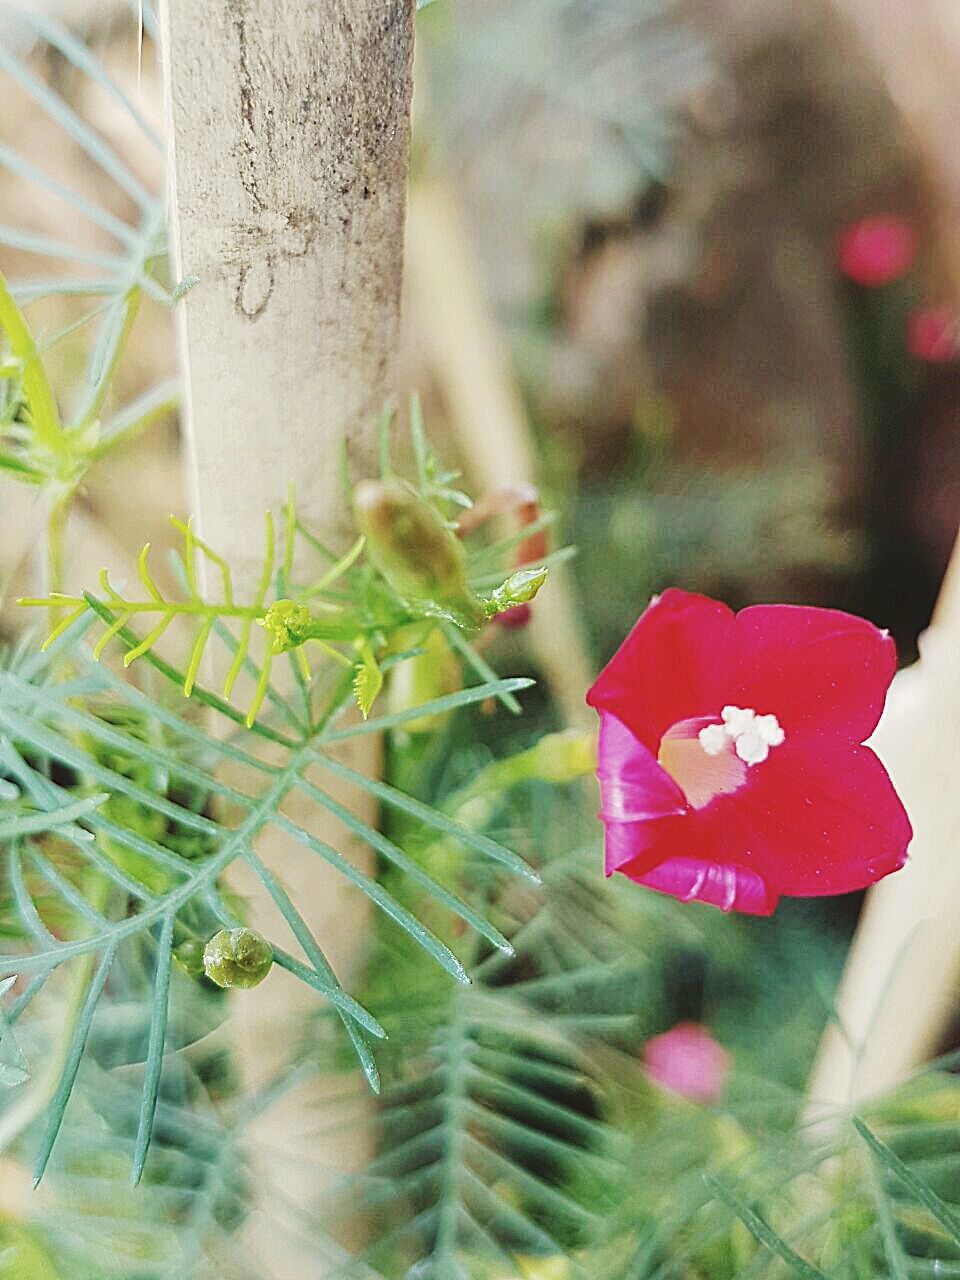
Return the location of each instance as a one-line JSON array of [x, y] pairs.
[[128, 827], [51, 436]]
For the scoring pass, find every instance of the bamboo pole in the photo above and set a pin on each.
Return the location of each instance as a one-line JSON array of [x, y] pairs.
[[916, 49], [289, 128], [899, 988]]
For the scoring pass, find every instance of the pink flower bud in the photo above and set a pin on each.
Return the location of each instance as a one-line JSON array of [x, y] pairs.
[[687, 1061], [514, 619], [933, 334], [875, 251]]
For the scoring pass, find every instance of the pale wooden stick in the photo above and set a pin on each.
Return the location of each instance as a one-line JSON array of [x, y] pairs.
[[901, 979], [916, 49], [469, 361], [900, 985], [290, 133]]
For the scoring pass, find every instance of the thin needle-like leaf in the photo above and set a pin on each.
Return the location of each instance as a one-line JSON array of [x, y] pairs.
[[76, 51], [44, 413], [337, 570], [31, 242], [381, 898], [71, 1065], [154, 1063], [262, 685], [148, 641], [430, 817], [78, 129], [26, 908], [101, 217], [436, 706], [71, 895], [62, 626], [196, 656], [944, 1213], [762, 1231], [478, 664], [30, 823], [419, 440], [376, 840]]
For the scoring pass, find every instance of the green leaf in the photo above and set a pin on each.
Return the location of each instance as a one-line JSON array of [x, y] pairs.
[[154, 1063], [367, 680], [44, 414], [74, 1053], [944, 1213], [763, 1232]]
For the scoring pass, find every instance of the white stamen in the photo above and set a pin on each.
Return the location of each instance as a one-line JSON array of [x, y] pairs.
[[737, 719], [713, 738], [768, 729], [751, 735], [751, 748]]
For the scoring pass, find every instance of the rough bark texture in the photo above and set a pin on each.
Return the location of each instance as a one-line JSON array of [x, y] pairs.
[[290, 132], [290, 136]]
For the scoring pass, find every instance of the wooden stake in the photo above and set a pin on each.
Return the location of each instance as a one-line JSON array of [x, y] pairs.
[[290, 137], [899, 988], [289, 125]]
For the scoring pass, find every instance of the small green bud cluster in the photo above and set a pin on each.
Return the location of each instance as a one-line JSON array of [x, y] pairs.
[[288, 623], [237, 958]]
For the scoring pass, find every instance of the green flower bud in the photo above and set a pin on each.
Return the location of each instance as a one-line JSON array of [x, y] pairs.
[[189, 956], [237, 958], [557, 758], [563, 756], [519, 588], [288, 623], [423, 561], [420, 679]]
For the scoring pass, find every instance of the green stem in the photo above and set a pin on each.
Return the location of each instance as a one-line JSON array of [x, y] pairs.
[[44, 415], [56, 547]]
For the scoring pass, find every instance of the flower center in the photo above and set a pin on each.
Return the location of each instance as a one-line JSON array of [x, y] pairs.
[[710, 759]]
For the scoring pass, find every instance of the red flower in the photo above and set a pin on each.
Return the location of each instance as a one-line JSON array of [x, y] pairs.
[[875, 251], [688, 1061], [933, 334], [730, 760]]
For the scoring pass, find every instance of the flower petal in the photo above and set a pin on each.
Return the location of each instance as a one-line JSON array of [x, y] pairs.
[[666, 669], [634, 791], [633, 787], [814, 669], [825, 817], [723, 885], [704, 855]]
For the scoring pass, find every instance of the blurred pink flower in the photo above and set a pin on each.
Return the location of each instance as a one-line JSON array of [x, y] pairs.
[[933, 334], [731, 763], [514, 619], [688, 1061], [875, 251]]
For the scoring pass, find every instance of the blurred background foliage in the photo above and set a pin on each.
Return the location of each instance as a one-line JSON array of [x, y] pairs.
[[653, 194]]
